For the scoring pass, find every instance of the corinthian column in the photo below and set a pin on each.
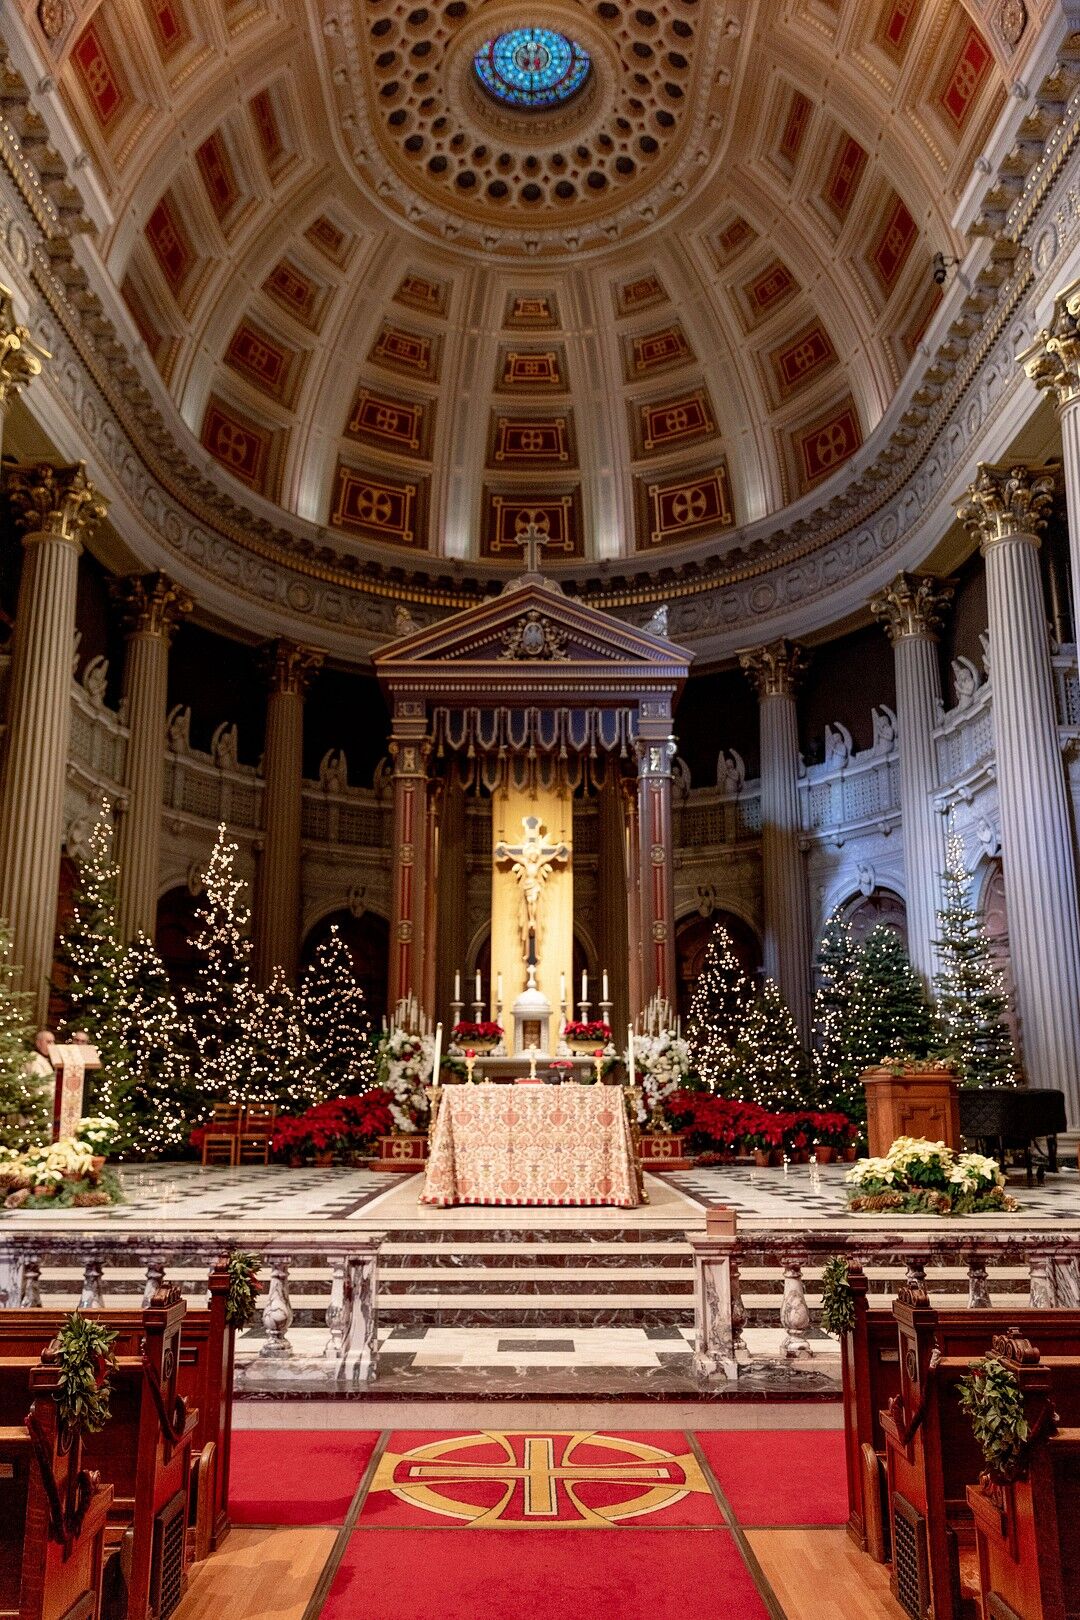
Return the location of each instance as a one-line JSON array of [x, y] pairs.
[[56, 507], [20, 357], [152, 607], [1053, 364], [277, 914], [774, 672], [1006, 509], [911, 610]]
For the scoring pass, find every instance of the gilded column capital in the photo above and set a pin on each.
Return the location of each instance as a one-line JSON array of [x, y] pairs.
[[1008, 501], [913, 605], [1053, 361], [20, 356], [58, 502], [291, 667], [776, 669], [153, 604]]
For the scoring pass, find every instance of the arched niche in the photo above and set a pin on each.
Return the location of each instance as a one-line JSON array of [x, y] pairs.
[[692, 935], [368, 939], [995, 916], [174, 935], [880, 908]]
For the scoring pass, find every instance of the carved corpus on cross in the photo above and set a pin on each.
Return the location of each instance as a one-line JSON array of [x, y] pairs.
[[531, 863]]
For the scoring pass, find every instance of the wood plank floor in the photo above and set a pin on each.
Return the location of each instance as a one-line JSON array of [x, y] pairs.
[[258, 1575], [822, 1575]]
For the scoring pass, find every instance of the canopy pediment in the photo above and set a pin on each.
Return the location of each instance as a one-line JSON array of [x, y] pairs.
[[530, 643]]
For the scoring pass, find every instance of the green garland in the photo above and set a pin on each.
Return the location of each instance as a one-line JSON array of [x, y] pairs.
[[837, 1297], [243, 1287], [84, 1358], [993, 1399]]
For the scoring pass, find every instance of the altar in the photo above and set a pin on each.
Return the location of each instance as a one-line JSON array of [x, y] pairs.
[[532, 1144]]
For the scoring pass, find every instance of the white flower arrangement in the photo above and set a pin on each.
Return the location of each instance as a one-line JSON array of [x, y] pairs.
[[921, 1177], [406, 1063], [661, 1064]]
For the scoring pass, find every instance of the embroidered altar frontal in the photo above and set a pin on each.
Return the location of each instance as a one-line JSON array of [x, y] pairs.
[[567, 1144]]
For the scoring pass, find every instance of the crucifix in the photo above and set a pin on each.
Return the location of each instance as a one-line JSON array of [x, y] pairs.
[[531, 863], [531, 536]]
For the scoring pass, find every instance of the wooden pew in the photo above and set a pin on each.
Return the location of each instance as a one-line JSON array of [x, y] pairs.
[[870, 1370], [205, 1382], [1025, 1526], [144, 1452], [52, 1514], [931, 1453]]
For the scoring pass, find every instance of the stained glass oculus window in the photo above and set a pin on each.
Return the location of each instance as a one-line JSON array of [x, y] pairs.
[[532, 67]]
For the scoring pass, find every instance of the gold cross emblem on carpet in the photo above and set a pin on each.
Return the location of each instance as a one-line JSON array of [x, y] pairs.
[[524, 1479]]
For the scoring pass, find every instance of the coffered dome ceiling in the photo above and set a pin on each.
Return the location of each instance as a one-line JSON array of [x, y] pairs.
[[648, 281]]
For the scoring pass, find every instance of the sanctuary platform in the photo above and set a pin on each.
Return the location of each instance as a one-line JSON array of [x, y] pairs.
[[532, 1304]]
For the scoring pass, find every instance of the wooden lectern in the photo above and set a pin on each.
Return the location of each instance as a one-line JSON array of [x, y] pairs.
[[70, 1063], [910, 1101]]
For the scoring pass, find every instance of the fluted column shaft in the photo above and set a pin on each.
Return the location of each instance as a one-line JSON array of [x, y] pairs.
[[57, 507], [1053, 364], [774, 671], [153, 605], [277, 912], [910, 609], [1007, 508]]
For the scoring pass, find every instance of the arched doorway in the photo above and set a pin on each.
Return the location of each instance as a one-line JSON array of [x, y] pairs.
[[368, 939], [60, 977], [879, 908], [996, 922], [692, 937], [174, 935]]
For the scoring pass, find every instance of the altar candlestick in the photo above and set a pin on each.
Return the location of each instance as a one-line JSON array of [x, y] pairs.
[[438, 1055], [584, 984], [630, 1053], [562, 989], [532, 1062]]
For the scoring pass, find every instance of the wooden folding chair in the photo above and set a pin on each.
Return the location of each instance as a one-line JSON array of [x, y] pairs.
[[222, 1139]]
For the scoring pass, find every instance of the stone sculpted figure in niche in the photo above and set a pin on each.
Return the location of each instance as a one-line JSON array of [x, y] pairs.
[[838, 743], [884, 720], [178, 730], [965, 682], [224, 745], [334, 771], [531, 862], [94, 678], [730, 772]]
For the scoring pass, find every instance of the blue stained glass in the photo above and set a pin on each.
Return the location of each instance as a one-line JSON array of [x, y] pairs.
[[532, 67]]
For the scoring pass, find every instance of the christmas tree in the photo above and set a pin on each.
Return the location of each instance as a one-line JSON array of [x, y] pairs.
[[838, 976], [721, 997], [282, 1069], [159, 1105], [25, 1102], [222, 1005], [95, 958], [769, 1066], [972, 1006], [334, 1013], [888, 1012]]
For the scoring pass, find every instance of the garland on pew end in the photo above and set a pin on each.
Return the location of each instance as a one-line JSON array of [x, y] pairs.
[[992, 1398], [82, 1353], [243, 1288], [837, 1297]]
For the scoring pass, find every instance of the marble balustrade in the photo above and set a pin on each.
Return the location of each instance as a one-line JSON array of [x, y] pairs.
[[1051, 1260], [350, 1353]]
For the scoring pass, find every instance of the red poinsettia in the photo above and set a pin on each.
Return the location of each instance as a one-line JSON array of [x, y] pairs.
[[467, 1030], [595, 1030]]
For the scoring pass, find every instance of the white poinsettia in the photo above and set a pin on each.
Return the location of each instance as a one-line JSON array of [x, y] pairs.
[[661, 1064], [406, 1063]]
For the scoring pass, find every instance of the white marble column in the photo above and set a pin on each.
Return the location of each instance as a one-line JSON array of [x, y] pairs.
[[277, 910], [152, 604], [910, 609], [56, 507], [1006, 509], [774, 671], [20, 356], [1053, 364]]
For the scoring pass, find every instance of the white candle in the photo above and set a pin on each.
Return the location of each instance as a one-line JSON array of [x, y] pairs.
[[499, 992], [438, 1055], [605, 985], [584, 984], [562, 989], [457, 984], [630, 1053], [479, 995]]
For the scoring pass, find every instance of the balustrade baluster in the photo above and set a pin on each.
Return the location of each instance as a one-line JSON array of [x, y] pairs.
[[361, 1346], [30, 1291], [92, 1297], [978, 1284], [155, 1277], [277, 1313], [1067, 1282], [339, 1307], [794, 1313], [738, 1316], [915, 1271]]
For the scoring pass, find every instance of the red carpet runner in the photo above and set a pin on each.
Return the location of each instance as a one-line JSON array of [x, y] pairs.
[[679, 1501]]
